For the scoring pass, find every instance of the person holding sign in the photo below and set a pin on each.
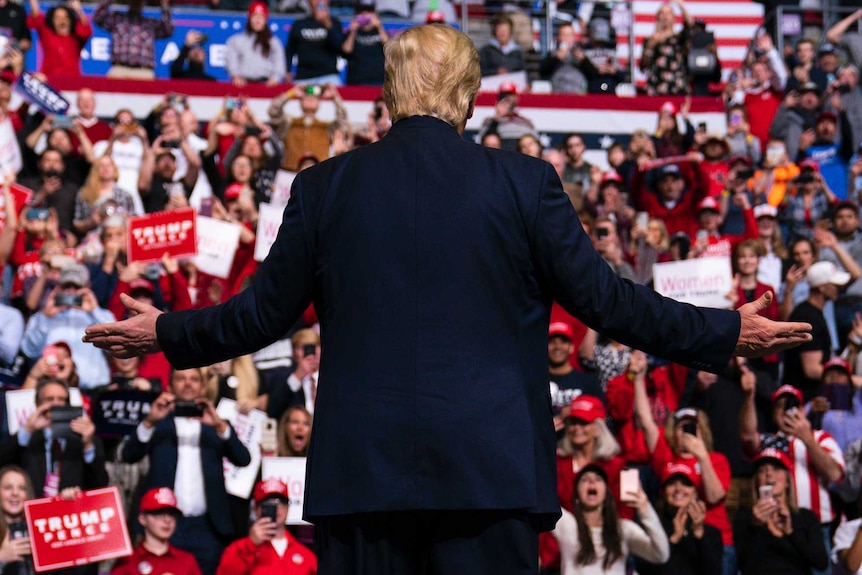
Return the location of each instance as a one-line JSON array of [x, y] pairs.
[[269, 549], [15, 489], [433, 281], [155, 555]]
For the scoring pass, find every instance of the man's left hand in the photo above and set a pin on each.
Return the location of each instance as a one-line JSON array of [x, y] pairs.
[[132, 337], [759, 336]]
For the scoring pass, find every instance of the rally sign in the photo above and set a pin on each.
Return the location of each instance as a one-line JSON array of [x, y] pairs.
[[268, 222], [704, 282], [217, 244], [239, 481], [118, 413], [88, 529], [11, 160], [150, 236], [20, 195], [40, 93], [20, 403], [281, 187], [291, 470]]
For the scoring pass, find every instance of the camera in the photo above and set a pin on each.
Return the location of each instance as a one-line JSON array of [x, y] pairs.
[[252, 131], [745, 174], [309, 349], [188, 409], [804, 178], [61, 419], [66, 299]]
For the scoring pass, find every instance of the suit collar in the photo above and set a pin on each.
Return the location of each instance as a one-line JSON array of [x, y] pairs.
[[424, 123]]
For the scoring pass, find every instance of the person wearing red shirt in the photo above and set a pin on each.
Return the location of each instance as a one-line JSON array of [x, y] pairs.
[[678, 190], [63, 32], [269, 548], [709, 242], [155, 555]]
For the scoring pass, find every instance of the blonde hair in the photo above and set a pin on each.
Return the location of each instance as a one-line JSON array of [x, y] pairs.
[[605, 447], [92, 188], [431, 70]]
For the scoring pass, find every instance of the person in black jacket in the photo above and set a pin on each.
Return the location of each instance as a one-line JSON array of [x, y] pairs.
[[774, 536], [192, 52], [695, 548]]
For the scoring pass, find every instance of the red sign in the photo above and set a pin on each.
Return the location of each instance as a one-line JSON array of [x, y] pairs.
[[152, 235], [87, 529], [22, 196]]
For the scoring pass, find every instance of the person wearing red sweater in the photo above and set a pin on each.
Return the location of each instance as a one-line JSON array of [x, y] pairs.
[[709, 241], [63, 32], [269, 548], [678, 190], [155, 556]]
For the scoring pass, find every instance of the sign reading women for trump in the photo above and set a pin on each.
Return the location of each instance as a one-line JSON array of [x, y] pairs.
[[702, 281], [153, 235], [291, 470], [88, 529], [268, 222], [217, 244], [239, 481]]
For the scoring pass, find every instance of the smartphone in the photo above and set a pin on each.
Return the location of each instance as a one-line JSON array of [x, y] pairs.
[[309, 349], [60, 261], [690, 427], [269, 509], [764, 492], [602, 232], [630, 482], [66, 299], [18, 530], [63, 122], [268, 435], [188, 409], [363, 19], [61, 418], [642, 220], [207, 207], [701, 235], [252, 131], [52, 359], [701, 127], [791, 404], [38, 214]]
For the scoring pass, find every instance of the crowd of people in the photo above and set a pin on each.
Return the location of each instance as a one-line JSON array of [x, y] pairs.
[[661, 468]]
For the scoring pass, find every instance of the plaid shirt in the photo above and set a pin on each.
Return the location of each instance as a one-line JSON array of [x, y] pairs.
[[133, 37]]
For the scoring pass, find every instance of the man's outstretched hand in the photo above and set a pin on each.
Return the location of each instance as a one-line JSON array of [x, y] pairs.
[[132, 337], [759, 336]]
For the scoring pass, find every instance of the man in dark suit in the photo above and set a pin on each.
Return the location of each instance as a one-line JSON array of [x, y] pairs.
[[56, 464], [432, 264], [186, 454]]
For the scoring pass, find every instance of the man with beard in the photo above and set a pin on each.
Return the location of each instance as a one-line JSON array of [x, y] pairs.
[[567, 383], [845, 225], [52, 189]]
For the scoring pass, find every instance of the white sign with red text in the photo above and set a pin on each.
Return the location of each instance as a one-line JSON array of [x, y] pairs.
[[281, 187], [291, 470], [702, 281], [239, 481], [20, 403], [10, 153], [268, 222], [217, 244]]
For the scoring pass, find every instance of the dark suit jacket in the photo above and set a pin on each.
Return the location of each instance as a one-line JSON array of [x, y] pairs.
[[74, 472], [162, 449], [432, 264]]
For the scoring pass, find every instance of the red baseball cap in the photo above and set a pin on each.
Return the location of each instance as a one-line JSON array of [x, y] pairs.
[[770, 453], [159, 499], [141, 284], [258, 8], [232, 192], [435, 17], [561, 328], [837, 363], [587, 408], [787, 390], [507, 88], [809, 164], [708, 203], [272, 487], [680, 468]]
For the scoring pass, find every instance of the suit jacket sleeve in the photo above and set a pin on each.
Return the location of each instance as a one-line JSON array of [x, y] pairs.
[[576, 276], [257, 316]]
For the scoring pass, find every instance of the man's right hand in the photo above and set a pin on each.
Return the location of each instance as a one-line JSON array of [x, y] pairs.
[[262, 530], [759, 336], [39, 419], [160, 409]]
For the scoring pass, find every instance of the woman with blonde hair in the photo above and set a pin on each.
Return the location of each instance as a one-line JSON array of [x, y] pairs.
[[775, 536], [99, 190], [665, 53], [294, 432]]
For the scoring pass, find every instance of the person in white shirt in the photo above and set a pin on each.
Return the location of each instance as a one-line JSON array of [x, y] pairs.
[[594, 540], [847, 546]]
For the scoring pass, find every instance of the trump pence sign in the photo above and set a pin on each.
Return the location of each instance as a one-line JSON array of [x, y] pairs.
[[88, 529], [153, 235]]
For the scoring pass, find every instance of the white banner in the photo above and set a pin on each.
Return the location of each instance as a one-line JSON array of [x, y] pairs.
[[268, 222], [217, 243], [20, 403], [291, 470], [281, 187], [239, 481], [10, 153], [702, 281]]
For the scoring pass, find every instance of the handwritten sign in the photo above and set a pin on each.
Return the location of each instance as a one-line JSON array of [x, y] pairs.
[[87, 529], [216, 242], [291, 470], [239, 481], [151, 236], [702, 281], [268, 222]]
